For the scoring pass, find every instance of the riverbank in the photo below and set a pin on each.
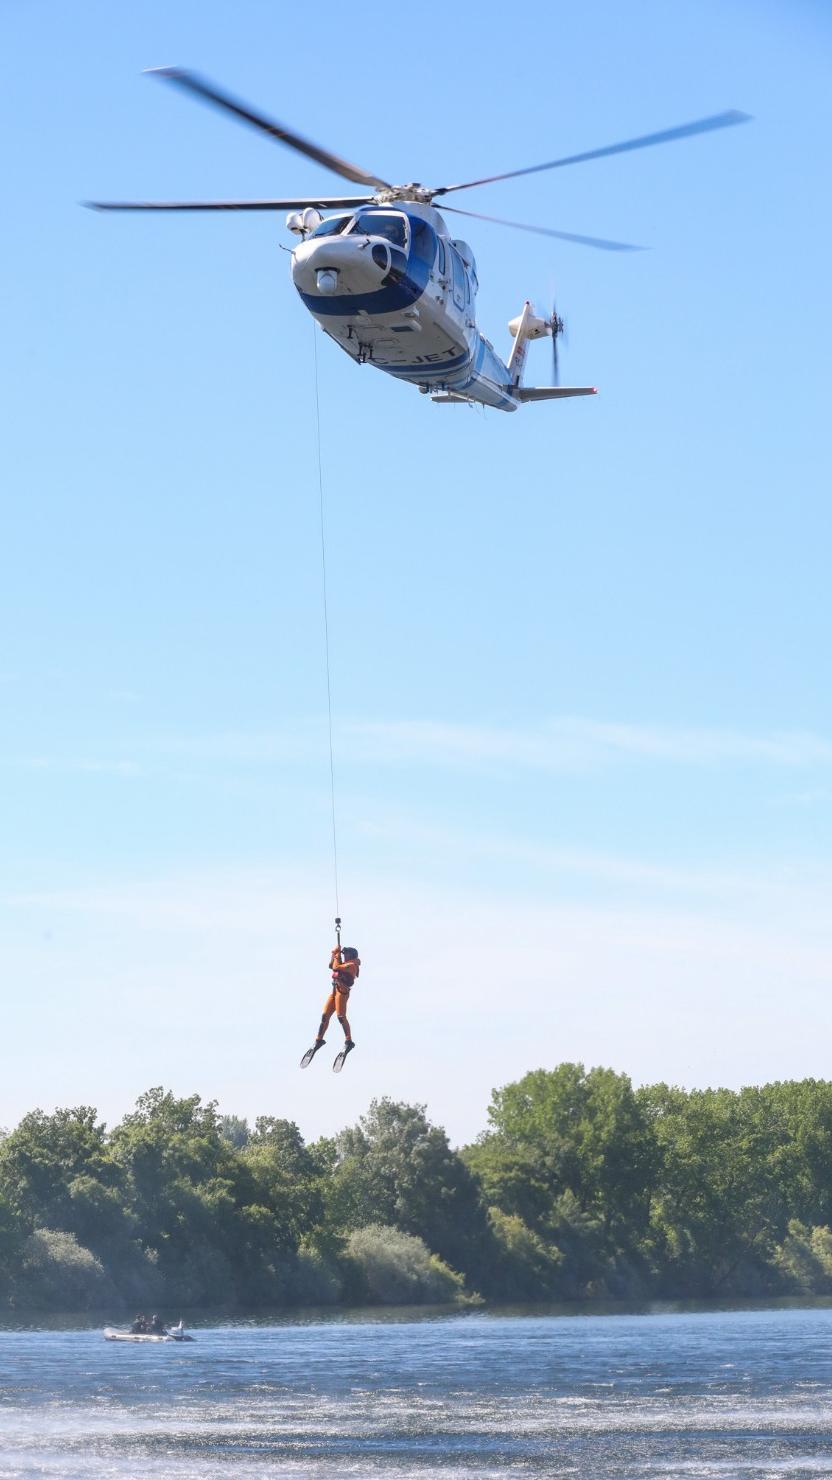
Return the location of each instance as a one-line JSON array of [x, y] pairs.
[[219, 1318]]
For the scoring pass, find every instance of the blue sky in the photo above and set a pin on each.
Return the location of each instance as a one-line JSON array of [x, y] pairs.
[[583, 720]]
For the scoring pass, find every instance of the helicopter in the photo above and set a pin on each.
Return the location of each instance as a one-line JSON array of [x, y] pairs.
[[387, 281]]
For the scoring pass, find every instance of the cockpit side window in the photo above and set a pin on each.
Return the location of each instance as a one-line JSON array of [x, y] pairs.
[[380, 223], [440, 257], [332, 226]]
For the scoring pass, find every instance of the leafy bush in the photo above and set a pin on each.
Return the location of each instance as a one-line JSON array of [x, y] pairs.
[[397, 1268], [527, 1267], [315, 1279], [60, 1274]]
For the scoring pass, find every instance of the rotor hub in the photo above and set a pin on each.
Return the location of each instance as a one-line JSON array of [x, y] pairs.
[[420, 193]]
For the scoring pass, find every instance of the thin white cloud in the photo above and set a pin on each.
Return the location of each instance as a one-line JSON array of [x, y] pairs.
[[566, 743], [575, 743], [63, 765], [725, 882], [294, 743], [569, 744]]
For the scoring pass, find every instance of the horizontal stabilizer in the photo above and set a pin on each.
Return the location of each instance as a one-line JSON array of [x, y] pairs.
[[550, 392]]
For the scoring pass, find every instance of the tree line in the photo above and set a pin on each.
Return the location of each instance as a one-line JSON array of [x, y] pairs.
[[581, 1187]]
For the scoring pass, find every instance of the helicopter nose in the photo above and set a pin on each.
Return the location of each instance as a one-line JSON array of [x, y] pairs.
[[329, 267]]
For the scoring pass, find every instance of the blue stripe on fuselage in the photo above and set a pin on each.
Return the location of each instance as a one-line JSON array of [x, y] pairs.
[[432, 367]]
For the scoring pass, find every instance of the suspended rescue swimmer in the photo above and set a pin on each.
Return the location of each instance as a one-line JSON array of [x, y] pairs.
[[344, 963], [385, 279]]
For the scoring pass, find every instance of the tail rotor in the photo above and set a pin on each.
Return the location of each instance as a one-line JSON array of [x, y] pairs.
[[556, 329]]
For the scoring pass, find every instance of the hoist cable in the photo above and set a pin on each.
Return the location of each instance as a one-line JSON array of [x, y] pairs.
[[326, 617]]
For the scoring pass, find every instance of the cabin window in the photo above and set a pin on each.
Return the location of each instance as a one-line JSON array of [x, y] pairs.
[[460, 278], [377, 223], [332, 226]]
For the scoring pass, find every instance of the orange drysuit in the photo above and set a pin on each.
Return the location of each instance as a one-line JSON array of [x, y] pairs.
[[344, 974]]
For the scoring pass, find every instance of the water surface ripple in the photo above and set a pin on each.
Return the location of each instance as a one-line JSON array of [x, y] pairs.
[[745, 1394]]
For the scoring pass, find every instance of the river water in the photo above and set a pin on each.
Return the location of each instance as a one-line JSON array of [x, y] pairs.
[[728, 1393]]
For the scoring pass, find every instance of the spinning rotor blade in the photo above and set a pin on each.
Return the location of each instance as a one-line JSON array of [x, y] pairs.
[[564, 236], [211, 94], [645, 141], [558, 328], [321, 203]]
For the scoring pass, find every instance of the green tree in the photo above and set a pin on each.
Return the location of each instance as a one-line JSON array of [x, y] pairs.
[[804, 1259], [235, 1128], [572, 1155], [286, 1174], [718, 1205], [196, 1202], [12, 1234], [396, 1168], [56, 1171], [799, 1116]]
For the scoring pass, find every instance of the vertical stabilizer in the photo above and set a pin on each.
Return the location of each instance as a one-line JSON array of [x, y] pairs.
[[517, 358], [525, 327]]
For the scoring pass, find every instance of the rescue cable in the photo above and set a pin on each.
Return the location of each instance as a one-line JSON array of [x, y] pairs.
[[326, 631]]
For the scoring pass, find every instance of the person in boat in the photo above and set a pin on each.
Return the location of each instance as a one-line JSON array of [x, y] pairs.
[[345, 965], [139, 1326], [157, 1327]]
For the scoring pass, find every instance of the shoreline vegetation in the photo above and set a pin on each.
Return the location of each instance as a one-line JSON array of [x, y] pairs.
[[582, 1188]]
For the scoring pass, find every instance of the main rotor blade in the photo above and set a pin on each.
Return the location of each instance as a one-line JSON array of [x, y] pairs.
[[645, 141], [564, 236], [211, 94], [323, 203]]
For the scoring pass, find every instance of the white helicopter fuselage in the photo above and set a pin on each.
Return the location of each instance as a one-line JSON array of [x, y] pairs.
[[391, 286], [384, 277]]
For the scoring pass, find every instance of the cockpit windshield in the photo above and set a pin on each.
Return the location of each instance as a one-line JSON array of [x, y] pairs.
[[332, 226], [382, 223]]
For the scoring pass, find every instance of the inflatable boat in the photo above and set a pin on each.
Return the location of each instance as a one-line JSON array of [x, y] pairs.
[[171, 1333]]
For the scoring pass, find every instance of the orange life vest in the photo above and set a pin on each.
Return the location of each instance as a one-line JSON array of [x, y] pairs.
[[344, 973]]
